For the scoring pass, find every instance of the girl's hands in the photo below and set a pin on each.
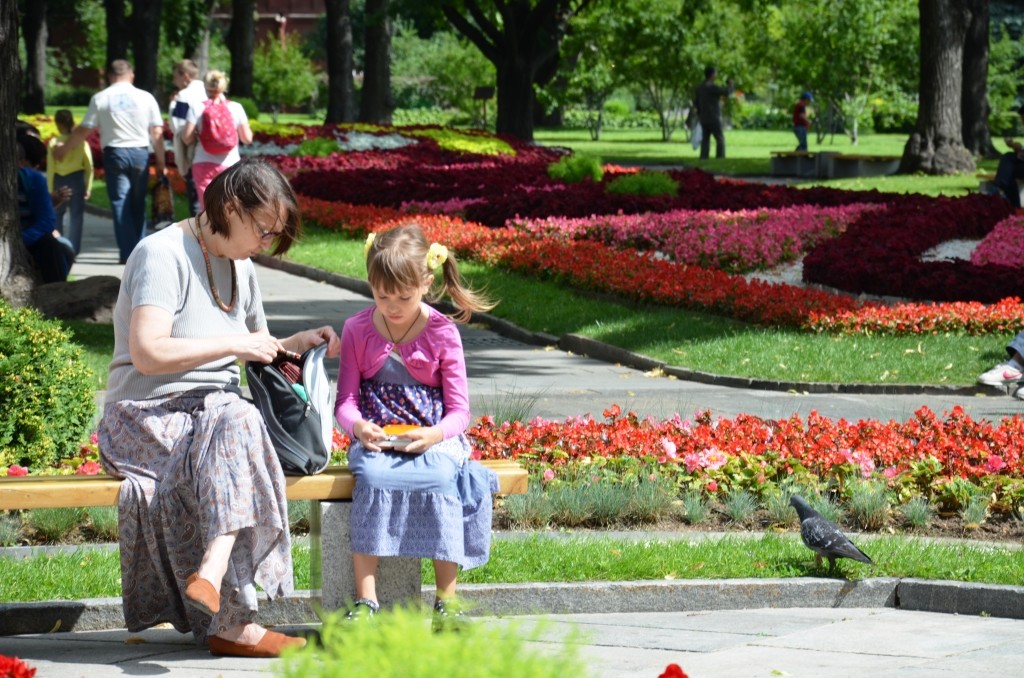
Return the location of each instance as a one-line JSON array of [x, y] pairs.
[[370, 435], [422, 439]]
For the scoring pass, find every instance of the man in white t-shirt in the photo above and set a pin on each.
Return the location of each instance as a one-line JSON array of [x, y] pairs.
[[191, 94], [129, 121]]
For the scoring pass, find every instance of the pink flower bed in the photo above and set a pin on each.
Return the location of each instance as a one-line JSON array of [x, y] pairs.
[[1002, 246], [731, 241]]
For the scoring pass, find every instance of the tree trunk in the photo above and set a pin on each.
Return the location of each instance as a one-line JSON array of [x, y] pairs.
[[936, 146], [118, 34], [341, 90], [16, 277], [523, 47], [242, 42], [146, 41], [376, 103], [974, 103], [34, 28]]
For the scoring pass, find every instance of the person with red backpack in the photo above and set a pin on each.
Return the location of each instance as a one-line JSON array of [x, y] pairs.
[[219, 125]]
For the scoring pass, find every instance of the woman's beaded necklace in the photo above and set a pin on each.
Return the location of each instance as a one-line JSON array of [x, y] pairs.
[[227, 308]]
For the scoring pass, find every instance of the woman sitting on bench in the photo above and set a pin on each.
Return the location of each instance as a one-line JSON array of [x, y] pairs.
[[203, 512]]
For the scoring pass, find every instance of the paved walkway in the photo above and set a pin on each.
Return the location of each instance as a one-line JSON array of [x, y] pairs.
[[774, 628]]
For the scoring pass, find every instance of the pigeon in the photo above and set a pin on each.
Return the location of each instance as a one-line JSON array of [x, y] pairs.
[[823, 537]]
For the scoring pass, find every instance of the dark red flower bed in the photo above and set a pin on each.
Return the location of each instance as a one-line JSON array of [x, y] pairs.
[[880, 253]]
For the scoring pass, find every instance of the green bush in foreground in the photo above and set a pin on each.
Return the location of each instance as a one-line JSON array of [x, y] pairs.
[[401, 643], [46, 390]]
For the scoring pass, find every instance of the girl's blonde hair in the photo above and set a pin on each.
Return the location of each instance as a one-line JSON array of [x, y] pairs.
[[216, 81], [397, 259]]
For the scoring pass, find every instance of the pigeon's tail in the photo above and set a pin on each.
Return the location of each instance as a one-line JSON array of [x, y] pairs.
[[850, 550]]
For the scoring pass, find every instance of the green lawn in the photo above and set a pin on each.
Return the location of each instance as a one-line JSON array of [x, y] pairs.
[[539, 559], [748, 154]]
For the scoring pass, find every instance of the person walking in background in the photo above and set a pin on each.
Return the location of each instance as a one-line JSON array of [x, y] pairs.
[[708, 101], [219, 125], [74, 173], [129, 120], [191, 93], [402, 363], [801, 123], [1011, 168]]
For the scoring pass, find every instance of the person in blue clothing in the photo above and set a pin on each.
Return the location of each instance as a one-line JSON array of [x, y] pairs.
[[37, 216]]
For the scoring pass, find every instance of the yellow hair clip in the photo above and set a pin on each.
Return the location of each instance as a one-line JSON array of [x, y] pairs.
[[436, 256], [369, 243]]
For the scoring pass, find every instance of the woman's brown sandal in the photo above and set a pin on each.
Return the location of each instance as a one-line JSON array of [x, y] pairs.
[[200, 594], [271, 645]]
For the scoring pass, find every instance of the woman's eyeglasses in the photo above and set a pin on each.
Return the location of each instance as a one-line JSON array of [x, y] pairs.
[[265, 235]]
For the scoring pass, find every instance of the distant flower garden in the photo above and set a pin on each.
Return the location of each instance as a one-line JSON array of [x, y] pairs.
[[687, 250]]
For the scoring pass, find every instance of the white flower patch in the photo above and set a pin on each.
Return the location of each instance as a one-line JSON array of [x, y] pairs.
[[363, 141], [258, 148]]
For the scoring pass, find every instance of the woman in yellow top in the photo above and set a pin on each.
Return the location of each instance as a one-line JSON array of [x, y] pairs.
[[73, 172]]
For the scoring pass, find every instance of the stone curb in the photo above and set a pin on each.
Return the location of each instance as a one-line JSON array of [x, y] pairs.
[[947, 597], [575, 343]]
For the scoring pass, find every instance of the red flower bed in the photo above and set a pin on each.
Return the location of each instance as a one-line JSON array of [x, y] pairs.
[[591, 265], [925, 455]]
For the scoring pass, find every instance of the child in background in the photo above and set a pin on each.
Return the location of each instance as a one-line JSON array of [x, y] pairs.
[[402, 363], [801, 123], [73, 173]]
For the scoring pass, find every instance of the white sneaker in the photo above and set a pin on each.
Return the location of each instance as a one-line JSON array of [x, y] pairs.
[[1001, 375], [1018, 393]]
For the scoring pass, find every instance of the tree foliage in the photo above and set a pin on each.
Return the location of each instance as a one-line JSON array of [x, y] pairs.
[[282, 75], [845, 51]]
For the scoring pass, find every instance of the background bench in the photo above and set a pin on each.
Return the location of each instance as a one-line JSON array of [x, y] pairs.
[[398, 579], [832, 165], [794, 164], [848, 165]]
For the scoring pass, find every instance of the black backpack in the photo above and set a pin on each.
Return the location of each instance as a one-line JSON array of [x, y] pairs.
[[294, 397]]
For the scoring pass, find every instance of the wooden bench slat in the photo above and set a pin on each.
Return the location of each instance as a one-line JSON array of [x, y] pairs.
[[335, 483]]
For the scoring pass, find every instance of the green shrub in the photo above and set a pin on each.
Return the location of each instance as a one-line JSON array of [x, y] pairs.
[[400, 643], [617, 107], [53, 525], [103, 521], [47, 396], [869, 504], [320, 147], [759, 115], [573, 169], [644, 183], [532, 510], [252, 111]]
